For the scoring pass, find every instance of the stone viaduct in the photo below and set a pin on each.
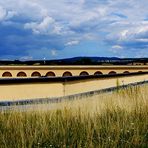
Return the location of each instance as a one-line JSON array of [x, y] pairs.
[[60, 71]]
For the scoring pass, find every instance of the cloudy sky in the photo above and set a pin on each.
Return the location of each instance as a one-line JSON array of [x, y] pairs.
[[51, 29]]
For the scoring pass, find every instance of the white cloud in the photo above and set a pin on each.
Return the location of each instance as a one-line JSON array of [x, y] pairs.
[[6, 14], [117, 47], [71, 43], [43, 53], [45, 23], [26, 58], [53, 52], [11, 14], [131, 36], [142, 40], [44, 27], [123, 34], [3, 13]]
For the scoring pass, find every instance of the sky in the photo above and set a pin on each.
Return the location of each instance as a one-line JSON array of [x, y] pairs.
[[54, 29]]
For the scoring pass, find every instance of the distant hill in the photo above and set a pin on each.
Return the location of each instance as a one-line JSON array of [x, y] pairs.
[[78, 61], [95, 59]]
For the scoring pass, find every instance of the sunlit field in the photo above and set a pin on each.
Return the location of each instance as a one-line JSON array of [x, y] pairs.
[[117, 119]]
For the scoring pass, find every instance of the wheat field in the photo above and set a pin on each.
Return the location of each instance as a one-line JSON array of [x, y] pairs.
[[115, 119]]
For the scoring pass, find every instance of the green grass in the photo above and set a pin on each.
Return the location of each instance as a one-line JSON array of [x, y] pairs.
[[112, 120]]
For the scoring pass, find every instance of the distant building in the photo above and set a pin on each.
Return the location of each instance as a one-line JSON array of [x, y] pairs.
[[138, 63]]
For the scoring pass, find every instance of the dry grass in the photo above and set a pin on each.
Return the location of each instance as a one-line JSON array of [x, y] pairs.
[[118, 119]]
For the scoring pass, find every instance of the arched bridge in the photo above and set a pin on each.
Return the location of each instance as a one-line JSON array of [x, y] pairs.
[[65, 71]]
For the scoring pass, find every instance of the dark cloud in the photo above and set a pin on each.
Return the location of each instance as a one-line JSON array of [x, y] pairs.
[[15, 41]]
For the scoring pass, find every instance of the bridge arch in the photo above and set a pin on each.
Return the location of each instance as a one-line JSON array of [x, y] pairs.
[[98, 73], [50, 74], [67, 74], [84, 73], [21, 74], [6, 74], [36, 74], [112, 73], [126, 72]]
